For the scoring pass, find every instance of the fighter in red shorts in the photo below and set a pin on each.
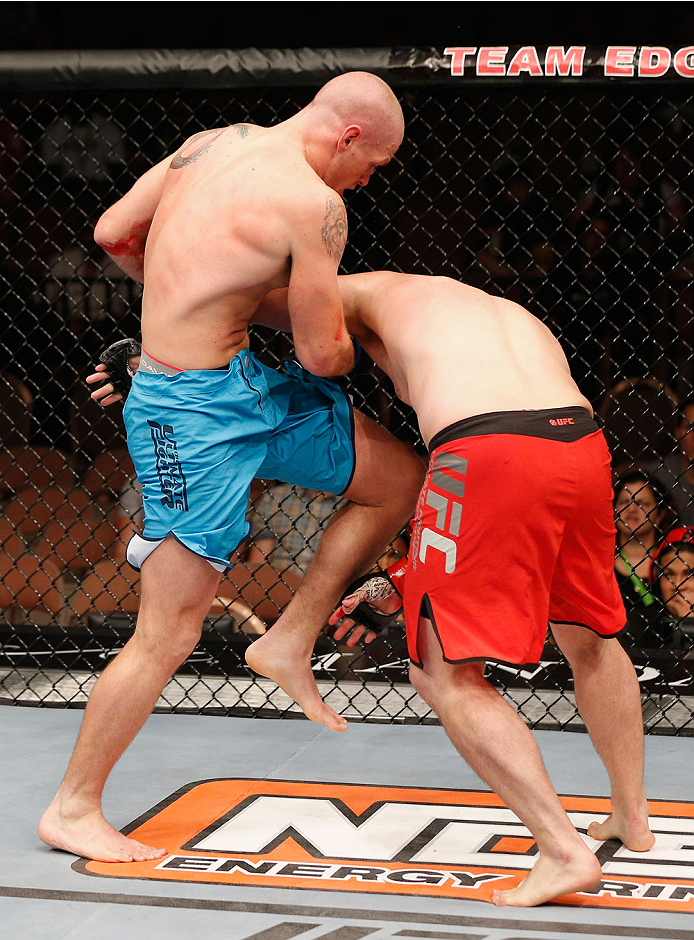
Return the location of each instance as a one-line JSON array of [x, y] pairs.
[[514, 528]]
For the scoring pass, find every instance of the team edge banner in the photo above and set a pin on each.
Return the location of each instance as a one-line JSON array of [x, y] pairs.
[[68, 70], [642, 62]]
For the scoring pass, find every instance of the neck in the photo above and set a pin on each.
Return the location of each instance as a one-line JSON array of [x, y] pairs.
[[313, 134], [637, 543]]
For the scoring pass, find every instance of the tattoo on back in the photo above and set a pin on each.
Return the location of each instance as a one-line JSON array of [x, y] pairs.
[[241, 130], [200, 142], [334, 229]]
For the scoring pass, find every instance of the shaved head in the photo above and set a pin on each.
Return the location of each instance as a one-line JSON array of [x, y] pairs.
[[352, 126], [362, 99]]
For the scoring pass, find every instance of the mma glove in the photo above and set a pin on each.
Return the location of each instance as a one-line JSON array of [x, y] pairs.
[[115, 358]]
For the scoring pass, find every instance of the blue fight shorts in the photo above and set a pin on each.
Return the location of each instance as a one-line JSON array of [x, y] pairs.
[[199, 438]]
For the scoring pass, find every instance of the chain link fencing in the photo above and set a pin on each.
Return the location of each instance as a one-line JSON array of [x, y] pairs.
[[573, 199]]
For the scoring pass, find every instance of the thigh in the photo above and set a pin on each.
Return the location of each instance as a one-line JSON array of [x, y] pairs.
[[177, 589], [312, 443], [433, 676], [584, 587], [385, 468]]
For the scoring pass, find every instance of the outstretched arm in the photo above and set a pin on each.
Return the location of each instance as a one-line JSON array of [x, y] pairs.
[[122, 230]]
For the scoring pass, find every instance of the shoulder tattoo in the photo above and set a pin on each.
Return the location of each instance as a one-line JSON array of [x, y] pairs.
[[195, 147], [334, 228], [241, 130]]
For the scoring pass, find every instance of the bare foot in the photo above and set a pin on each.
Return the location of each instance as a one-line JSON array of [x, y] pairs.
[[633, 833], [550, 878], [90, 836], [277, 656]]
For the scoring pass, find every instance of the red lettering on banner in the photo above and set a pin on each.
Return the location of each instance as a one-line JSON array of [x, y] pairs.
[[654, 61], [458, 60], [525, 60], [559, 62], [619, 60], [490, 60], [562, 61], [684, 62]]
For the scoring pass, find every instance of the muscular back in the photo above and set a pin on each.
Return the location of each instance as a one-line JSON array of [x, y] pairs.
[[454, 351], [219, 240]]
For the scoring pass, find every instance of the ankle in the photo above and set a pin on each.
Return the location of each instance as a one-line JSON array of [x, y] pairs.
[[75, 805], [634, 811]]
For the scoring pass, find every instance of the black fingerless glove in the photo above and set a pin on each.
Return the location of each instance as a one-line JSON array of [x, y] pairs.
[[115, 358]]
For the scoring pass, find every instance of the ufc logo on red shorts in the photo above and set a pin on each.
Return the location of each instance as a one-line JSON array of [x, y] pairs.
[[448, 508]]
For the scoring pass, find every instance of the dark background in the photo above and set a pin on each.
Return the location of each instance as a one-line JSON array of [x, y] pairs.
[[222, 25]]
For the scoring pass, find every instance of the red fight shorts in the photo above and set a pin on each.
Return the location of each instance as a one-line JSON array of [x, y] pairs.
[[514, 529]]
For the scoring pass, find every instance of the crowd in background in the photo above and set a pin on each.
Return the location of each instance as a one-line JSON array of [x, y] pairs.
[[597, 241]]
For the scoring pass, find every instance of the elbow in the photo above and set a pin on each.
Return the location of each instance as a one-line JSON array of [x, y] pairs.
[[337, 362], [105, 233], [118, 241]]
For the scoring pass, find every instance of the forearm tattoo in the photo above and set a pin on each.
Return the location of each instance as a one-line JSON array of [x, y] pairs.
[[203, 140], [334, 230]]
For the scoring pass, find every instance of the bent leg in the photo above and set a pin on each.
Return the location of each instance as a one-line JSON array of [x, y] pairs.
[[609, 701], [500, 748], [383, 495], [177, 590]]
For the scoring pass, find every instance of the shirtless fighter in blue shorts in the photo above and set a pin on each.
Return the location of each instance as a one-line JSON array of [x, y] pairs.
[[236, 212]]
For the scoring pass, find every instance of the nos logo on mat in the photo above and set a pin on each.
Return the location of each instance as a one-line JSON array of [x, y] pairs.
[[391, 840]]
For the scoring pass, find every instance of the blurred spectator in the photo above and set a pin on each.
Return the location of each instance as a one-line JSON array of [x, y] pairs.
[[86, 286], [631, 203], [640, 513], [517, 231], [673, 581], [84, 147], [676, 471], [644, 215], [639, 415], [29, 578], [287, 523]]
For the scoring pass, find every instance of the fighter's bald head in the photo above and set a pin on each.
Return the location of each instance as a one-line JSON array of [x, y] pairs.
[[363, 99]]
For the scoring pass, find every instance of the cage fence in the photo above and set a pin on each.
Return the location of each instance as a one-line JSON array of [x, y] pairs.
[[571, 198]]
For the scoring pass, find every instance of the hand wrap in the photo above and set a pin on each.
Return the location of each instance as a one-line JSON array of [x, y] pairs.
[[374, 587], [115, 358]]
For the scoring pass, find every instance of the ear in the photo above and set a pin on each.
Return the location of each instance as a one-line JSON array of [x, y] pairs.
[[349, 134]]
